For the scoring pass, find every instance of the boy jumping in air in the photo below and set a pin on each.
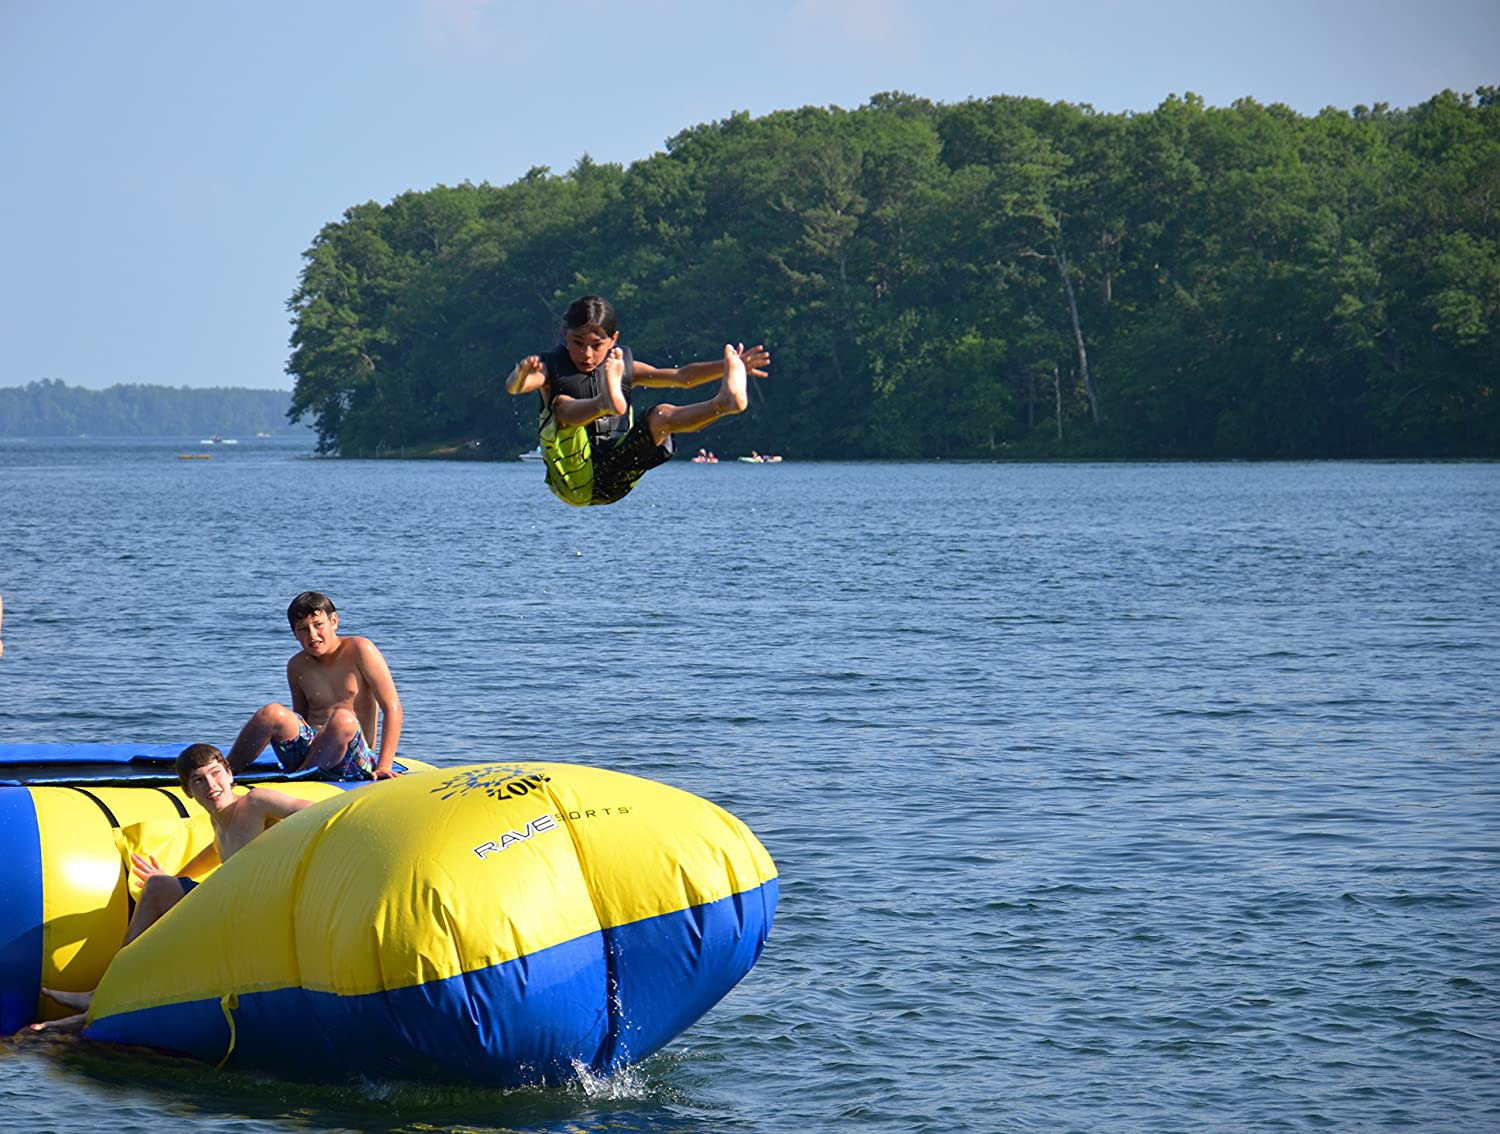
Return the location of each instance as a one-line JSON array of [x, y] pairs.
[[594, 450]]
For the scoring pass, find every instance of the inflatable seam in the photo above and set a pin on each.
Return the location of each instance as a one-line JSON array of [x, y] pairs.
[[614, 1020], [182, 811], [104, 807]]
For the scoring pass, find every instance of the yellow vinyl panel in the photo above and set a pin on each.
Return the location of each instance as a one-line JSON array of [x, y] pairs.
[[84, 908]]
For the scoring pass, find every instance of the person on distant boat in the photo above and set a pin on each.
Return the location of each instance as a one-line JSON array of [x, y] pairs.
[[205, 775], [338, 685], [594, 450]]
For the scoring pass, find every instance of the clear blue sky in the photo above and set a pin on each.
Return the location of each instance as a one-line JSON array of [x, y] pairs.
[[164, 165]]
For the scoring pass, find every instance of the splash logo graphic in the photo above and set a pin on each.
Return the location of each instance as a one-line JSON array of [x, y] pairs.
[[498, 781], [538, 825]]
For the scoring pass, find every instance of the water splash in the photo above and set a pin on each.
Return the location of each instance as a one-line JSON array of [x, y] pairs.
[[624, 1084]]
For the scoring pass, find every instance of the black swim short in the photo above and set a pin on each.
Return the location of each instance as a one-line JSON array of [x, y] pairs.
[[619, 464]]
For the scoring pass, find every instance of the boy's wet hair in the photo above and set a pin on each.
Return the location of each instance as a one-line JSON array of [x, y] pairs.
[[196, 756], [590, 311], [307, 604]]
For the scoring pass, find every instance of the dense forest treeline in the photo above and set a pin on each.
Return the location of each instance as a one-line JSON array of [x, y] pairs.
[[995, 277], [50, 408]]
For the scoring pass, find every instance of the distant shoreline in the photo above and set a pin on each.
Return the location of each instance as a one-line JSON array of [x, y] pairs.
[[50, 408]]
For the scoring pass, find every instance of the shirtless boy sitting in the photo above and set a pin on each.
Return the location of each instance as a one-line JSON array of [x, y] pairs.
[[205, 776], [337, 686]]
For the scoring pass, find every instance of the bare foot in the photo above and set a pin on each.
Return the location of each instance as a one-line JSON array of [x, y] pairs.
[[731, 397], [78, 1001], [614, 393], [68, 1025]]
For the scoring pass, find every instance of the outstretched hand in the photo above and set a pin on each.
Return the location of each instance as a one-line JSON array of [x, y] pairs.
[[528, 375], [756, 359], [144, 866]]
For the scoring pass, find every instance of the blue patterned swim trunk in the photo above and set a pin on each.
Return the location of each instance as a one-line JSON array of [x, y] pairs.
[[358, 762]]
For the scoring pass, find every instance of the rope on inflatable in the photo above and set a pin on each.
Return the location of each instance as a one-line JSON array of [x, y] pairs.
[[229, 1004]]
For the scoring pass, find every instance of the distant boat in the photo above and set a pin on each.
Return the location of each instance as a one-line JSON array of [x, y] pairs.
[[756, 459], [194, 457], [534, 455], [217, 440], [263, 434]]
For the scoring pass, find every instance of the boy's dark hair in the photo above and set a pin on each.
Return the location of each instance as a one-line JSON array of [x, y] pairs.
[[196, 756], [307, 604], [590, 311]]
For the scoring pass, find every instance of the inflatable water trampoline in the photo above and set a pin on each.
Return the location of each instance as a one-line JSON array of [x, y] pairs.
[[499, 923]]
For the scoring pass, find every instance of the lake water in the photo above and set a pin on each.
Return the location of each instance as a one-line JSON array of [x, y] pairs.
[[1117, 797]]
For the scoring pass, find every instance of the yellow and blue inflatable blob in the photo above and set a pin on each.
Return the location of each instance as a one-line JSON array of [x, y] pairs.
[[70, 817], [497, 924]]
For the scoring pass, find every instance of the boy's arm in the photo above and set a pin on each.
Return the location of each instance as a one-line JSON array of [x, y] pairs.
[[756, 359], [272, 804], [202, 862], [299, 698], [195, 867], [383, 687], [529, 375]]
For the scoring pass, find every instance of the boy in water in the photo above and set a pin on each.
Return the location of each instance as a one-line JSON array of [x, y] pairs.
[[594, 451], [205, 775], [337, 686]]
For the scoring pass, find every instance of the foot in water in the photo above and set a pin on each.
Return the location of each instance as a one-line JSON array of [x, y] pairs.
[[732, 396], [68, 1025], [78, 1001]]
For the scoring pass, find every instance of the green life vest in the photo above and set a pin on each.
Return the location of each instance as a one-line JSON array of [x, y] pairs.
[[569, 459], [568, 455]]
